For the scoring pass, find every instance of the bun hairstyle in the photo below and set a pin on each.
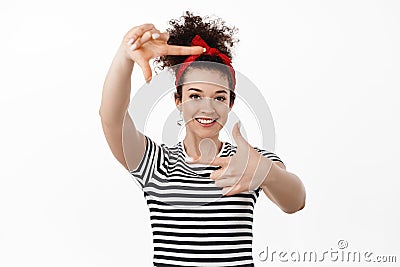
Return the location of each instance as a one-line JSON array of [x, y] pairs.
[[213, 31]]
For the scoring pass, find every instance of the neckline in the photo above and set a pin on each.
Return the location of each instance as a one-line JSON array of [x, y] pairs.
[[186, 155]]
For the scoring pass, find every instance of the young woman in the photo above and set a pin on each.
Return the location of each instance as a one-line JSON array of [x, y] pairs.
[[201, 192]]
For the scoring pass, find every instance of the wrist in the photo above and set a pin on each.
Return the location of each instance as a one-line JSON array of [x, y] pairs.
[[265, 166], [263, 170], [123, 57]]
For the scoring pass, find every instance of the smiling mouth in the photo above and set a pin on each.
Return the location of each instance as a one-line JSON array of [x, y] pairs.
[[206, 122]]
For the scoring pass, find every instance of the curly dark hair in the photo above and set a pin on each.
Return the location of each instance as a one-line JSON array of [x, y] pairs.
[[212, 30]]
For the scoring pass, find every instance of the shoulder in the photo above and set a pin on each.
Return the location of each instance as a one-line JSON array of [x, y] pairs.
[[155, 149], [150, 141], [271, 155], [264, 152]]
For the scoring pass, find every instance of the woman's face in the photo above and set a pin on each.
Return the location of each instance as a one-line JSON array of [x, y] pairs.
[[205, 102]]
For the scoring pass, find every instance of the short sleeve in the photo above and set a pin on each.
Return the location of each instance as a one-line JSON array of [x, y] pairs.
[[145, 170], [271, 155]]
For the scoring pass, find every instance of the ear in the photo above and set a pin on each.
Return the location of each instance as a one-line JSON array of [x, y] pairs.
[[233, 102], [178, 104]]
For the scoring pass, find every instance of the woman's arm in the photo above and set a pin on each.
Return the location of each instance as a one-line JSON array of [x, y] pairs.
[[114, 104], [284, 188], [116, 122], [140, 44]]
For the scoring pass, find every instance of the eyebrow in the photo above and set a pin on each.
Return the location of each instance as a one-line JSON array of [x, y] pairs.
[[198, 90]]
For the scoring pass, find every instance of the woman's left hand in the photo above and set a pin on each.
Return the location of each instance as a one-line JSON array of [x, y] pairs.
[[245, 171]]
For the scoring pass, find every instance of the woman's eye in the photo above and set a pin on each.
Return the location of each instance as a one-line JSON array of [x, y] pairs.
[[194, 95]]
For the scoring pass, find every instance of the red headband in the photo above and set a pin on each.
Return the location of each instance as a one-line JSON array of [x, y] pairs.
[[197, 40]]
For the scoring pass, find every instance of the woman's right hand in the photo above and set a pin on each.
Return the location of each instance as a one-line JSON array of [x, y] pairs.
[[145, 42]]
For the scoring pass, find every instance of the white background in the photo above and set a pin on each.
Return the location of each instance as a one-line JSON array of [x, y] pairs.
[[329, 71]]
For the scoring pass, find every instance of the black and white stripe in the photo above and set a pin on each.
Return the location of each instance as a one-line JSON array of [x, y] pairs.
[[192, 223]]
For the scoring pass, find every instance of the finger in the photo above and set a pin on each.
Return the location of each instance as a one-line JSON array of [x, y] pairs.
[[145, 66], [237, 135], [217, 161], [137, 32], [147, 36], [221, 161], [164, 36], [233, 190], [243, 148], [225, 182], [217, 174], [227, 190], [178, 50]]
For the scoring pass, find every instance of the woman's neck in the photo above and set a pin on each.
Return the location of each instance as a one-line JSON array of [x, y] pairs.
[[207, 146]]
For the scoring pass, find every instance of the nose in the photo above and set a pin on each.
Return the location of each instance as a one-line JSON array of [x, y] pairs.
[[207, 104]]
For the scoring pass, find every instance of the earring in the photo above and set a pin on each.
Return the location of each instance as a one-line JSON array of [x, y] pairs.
[[179, 122]]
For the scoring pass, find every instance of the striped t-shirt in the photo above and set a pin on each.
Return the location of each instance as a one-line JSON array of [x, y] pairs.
[[193, 224]]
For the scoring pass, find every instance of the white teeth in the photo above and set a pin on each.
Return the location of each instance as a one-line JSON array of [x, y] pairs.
[[205, 121]]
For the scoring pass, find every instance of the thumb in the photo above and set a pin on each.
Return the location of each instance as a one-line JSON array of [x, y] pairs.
[[237, 135], [145, 66]]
